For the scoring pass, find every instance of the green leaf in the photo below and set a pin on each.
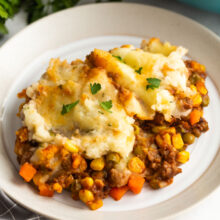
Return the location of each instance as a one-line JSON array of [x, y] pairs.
[[139, 70], [95, 88], [68, 107], [7, 6], [118, 57], [3, 13], [3, 29], [153, 83], [58, 5], [106, 105]]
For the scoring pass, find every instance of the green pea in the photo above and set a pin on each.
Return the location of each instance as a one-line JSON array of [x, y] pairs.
[[188, 138], [194, 78], [138, 151], [114, 157], [158, 129], [205, 100]]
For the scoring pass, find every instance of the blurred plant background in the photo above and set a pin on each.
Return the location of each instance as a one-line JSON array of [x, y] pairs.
[[35, 9], [32, 10]]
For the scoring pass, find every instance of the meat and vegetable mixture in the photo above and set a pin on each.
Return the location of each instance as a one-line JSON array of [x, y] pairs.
[[112, 123]]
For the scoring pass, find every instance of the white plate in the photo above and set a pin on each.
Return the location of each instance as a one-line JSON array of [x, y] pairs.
[[74, 33]]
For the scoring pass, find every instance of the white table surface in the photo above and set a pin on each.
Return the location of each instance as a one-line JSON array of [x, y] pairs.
[[208, 208]]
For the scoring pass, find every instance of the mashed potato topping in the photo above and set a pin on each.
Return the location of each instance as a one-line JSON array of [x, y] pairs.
[[122, 74], [135, 66], [93, 129]]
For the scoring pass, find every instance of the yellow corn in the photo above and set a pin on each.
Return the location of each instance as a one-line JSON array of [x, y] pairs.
[[159, 140], [87, 182], [167, 139], [177, 141], [193, 88], [201, 88], [136, 165], [197, 100], [95, 205], [71, 147], [86, 195], [57, 187], [171, 130], [98, 164], [183, 156]]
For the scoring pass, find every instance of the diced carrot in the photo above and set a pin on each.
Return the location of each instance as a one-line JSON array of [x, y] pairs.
[[197, 66], [117, 193], [135, 183], [45, 190], [27, 171], [195, 116]]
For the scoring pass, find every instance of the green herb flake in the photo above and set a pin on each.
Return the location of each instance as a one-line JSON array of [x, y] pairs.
[[118, 57], [153, 83], [101, 112], [106, 105], [68, 107], [95, 88], [139, 70]]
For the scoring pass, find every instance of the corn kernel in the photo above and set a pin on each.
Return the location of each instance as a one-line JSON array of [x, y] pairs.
[[197, 100], [171, 130], [193, 88], [97, 164], [159, 140], [201, 88], [95, 205], [57, 187], [136, 165], [87, 182], [177, 141], [167, 139], [86, 195], [71, 147], [183, 156]]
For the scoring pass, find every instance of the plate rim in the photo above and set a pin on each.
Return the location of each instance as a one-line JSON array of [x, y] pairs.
[[118, 3]]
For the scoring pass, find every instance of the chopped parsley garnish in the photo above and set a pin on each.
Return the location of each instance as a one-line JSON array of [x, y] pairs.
[[139, 70], [68, 107], [101, 112], [95, 88], [118, 57], [153, 83], [106, 105]]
